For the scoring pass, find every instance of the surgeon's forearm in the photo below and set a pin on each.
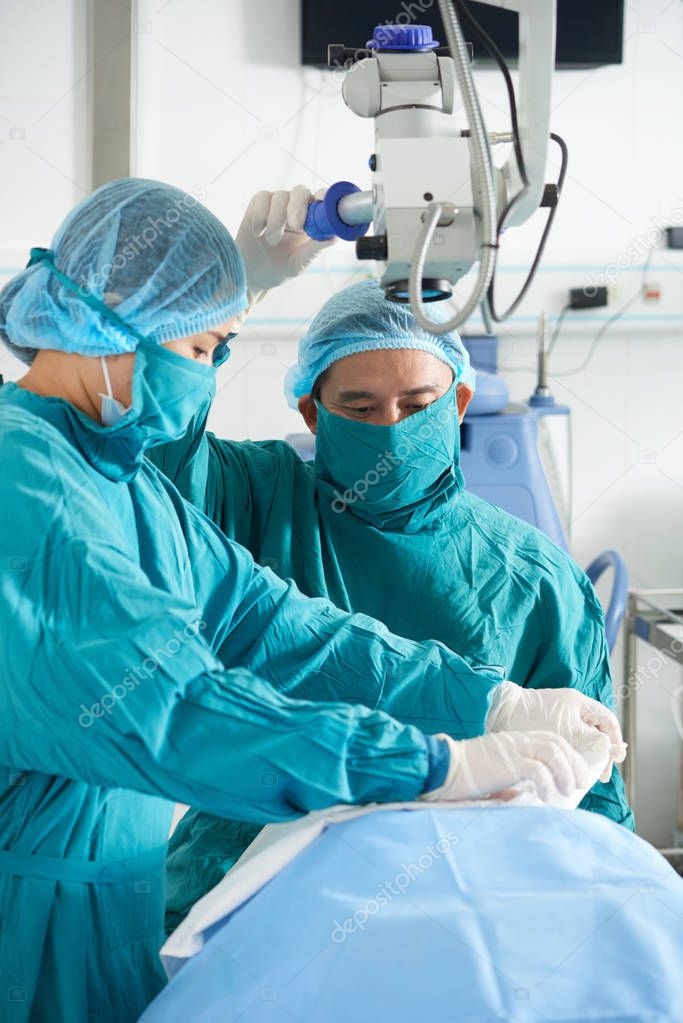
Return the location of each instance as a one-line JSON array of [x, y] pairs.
[[311, 650], [145, 704], [269, 757], [231, 745]]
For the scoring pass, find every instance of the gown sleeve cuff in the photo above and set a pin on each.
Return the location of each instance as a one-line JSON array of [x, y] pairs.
[[439, 762]]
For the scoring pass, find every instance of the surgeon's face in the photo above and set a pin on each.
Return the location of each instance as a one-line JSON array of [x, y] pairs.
[[200, 347], [383, 387]]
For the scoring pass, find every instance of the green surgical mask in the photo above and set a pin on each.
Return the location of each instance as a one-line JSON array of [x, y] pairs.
[[381, 473], [167, 392]]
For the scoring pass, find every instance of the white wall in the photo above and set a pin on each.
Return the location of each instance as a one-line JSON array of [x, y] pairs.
[[44, 165], [222, 103]]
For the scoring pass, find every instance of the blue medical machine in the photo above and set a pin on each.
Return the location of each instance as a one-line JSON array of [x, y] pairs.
[[518, 457]]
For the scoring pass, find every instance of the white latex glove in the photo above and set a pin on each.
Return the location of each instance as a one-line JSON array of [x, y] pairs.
[[586, 724], [494, 763], [272, 241]]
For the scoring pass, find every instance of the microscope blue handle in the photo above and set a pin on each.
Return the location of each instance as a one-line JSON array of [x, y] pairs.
[[323, 220]]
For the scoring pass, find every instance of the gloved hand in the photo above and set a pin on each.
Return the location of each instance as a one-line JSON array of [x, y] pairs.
[[585, 723], [498, 761], [272, 241]]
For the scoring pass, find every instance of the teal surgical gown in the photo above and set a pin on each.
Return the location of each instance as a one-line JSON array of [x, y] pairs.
[[455, 568], [146, 659]]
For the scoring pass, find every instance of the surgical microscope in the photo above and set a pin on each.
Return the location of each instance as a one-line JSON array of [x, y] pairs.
[[438, 205]]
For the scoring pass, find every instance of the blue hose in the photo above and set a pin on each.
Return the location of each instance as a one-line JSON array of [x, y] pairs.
[[619, 595]]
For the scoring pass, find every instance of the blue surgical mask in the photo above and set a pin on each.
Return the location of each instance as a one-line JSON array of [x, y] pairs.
[[381, 473]]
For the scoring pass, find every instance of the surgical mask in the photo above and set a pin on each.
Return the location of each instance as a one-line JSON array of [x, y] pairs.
[[376, 472], [167, 392]]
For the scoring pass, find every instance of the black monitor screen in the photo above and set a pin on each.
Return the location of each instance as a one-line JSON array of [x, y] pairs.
[[589, 32]]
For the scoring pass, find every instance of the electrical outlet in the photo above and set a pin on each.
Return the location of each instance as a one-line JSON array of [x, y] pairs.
[[589, 296]]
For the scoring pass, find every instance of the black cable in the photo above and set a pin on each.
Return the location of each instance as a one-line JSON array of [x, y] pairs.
[[558, 326], [541, 245], [598, 338], [491, 46], [608, 323]]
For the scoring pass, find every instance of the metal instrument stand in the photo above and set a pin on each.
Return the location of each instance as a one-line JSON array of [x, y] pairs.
[[662, 628]]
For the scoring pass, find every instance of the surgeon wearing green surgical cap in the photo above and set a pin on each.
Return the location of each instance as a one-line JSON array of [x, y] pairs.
[[380, 522], [145, 658]]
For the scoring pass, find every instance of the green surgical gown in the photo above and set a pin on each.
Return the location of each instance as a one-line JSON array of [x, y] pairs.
[[146, 659], [456, 569]]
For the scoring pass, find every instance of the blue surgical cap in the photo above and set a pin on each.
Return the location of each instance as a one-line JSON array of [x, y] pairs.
[[154, 254], [359, 319]]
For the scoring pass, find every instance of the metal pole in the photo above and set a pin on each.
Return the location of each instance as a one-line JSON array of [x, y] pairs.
[[628, 699]]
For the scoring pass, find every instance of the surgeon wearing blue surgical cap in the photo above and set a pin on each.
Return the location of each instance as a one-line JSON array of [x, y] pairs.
[[381, 522], [145, 657]]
